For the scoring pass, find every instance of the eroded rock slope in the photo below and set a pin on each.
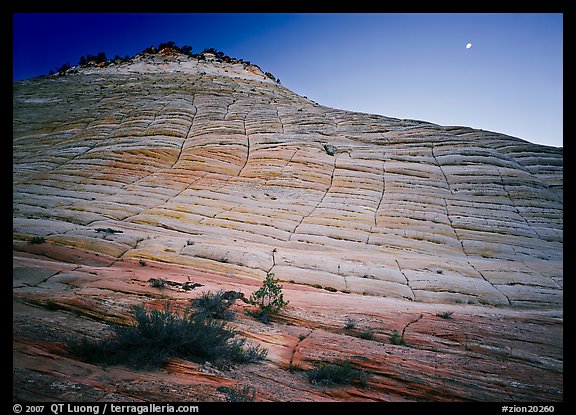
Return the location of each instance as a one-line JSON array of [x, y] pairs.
[[171, 167]]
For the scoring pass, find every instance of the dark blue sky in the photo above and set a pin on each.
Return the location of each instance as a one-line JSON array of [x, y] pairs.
[[400, 65]]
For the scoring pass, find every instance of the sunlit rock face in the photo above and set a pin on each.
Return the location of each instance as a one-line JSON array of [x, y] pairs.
[[211, 169]]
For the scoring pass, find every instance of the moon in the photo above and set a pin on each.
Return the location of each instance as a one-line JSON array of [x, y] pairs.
[[468, 45]]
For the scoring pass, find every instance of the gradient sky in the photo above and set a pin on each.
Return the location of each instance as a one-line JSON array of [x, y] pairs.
[[411, 65]]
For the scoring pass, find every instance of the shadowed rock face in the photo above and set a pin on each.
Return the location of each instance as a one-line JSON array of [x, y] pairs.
[[212, 171]]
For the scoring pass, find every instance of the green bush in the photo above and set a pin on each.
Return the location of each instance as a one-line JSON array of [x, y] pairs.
[[366, 335], [446, 315], [336, 373], [397, 338], [216, 305], [269, 298], [157, 282], [330, 149], [350, 323], [37, 240], [158, 335]]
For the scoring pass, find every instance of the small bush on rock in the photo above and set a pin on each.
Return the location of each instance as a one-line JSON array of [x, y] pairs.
[[247, 394], [157, 282], [350, 323], [269, 298], [336, 373], [366, 335], [446, 315], [37, 240], [397, 339], [330, 149], [216, 305]]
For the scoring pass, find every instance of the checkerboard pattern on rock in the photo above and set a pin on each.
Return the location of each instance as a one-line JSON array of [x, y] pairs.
[[214, 168]]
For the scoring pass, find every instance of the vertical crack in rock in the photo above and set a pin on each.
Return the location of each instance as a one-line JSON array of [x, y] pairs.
[[454, 229], [187, 136], [180, 151], [247, 142], [383, 191], [406, 278], [278, 115], [515, 206], [319, 203], [247, 155], [273, 261], [489, 282], [154, 118], [300, 340], [344, 277], [452, 226], [441, 169], [549, 278], [164, 202], [410, 323], [58, 167], [289, 161], [375, 225], [228, 108], [445, 201]]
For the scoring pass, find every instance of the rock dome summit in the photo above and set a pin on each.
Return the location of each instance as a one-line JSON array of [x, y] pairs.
[[205, 169]]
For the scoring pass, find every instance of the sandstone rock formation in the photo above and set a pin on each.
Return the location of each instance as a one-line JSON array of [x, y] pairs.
[[207, 171]]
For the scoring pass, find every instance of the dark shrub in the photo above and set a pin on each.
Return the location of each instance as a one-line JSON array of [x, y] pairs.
[[158, 335], [397, 338], [330, 149], [150, 50], [366, 335], [447, 315], [169, 44], [91, 59], [157, 282], [336, 373], [350, 323], [62, 70], [216, 305], [101, 57], [247, 394]]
